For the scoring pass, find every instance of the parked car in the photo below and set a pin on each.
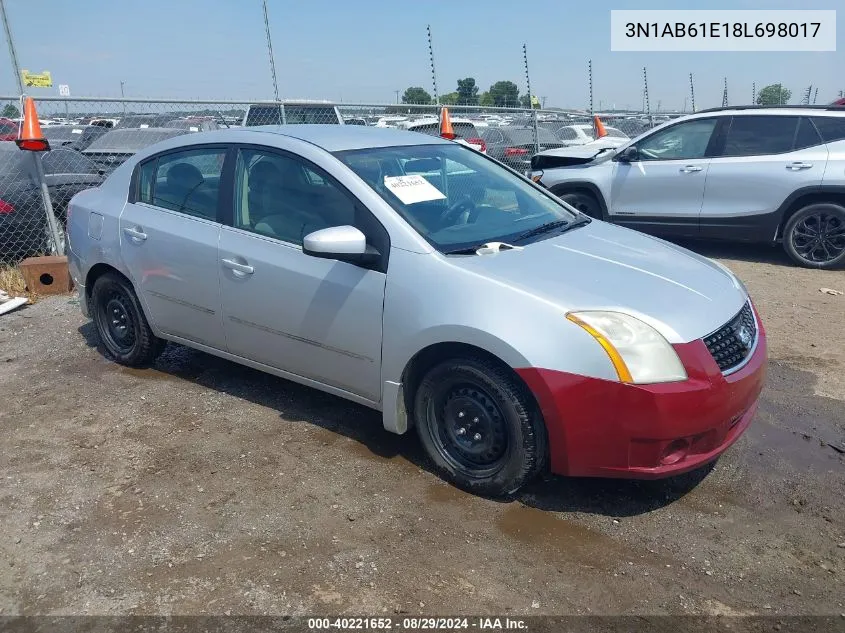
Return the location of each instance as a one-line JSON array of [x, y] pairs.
[[514, 145], [753, 174], [114, 147], [192, 125], [76, 137], [584, 134], [465, 130], [355, 121], [23, 220], [294, 113], [8, 129], [420, 278], [143, 121]]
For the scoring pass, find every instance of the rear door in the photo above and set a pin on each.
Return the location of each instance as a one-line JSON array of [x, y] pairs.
[[169, 231], [662, 192], [762, 161]]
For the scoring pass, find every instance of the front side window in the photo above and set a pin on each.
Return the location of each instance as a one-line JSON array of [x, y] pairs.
[[186, 181], [754, 135], [279, 196], [686, 140], [455, 197]]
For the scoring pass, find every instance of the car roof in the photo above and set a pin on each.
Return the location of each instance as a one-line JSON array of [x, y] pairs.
[[336, 138], [770, 110]]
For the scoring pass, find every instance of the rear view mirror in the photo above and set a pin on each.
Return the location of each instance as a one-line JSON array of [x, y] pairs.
[[628, 155], [343, 243], [422, 165]]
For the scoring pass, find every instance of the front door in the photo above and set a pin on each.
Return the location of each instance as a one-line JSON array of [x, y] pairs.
[[168, 240], [317, 318], [662, 191]]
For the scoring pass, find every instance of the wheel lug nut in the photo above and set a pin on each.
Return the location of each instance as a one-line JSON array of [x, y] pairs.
[[460, 414], [475, 420], [476, 437], [462, 431]]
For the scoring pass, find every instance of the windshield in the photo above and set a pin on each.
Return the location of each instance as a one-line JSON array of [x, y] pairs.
[[453, 196]]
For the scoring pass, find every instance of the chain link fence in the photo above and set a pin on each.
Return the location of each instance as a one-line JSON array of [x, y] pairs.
[[89, 138]]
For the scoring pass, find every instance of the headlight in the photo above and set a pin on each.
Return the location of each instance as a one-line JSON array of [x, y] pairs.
[[638, 351]]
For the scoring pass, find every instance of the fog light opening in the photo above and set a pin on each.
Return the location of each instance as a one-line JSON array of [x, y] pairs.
[[675, 452]]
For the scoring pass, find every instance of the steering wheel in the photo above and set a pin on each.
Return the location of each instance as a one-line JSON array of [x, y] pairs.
[[450, 214]]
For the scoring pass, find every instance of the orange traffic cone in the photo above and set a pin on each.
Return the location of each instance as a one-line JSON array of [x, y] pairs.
[[600, 131], [30, 137], [446, 130]]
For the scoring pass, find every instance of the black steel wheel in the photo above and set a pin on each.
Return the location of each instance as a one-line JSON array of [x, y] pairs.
[[479, 427], [585, 202], [815, 236], [123, 329]]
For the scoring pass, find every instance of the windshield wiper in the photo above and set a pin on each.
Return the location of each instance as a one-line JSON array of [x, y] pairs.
[[551, 226]]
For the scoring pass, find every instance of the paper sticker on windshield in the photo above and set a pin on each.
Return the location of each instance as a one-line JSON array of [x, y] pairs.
[[412, 189], [76, 131], [143, 126], [194, 129]]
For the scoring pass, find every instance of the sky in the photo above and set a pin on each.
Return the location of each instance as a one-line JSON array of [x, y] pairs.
[[365, 50]]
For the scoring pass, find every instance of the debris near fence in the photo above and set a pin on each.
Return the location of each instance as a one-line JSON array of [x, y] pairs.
[[7, 303]]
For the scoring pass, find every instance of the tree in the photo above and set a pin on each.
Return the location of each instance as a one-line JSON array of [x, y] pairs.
[[504, 94], [450, 98], [416, 95], [467, 91], [11, 111], [485, 99], [774, 94]]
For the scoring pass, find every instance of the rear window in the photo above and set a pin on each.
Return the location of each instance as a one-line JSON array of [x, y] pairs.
[[463, 130], [831, 128], [294, 114]]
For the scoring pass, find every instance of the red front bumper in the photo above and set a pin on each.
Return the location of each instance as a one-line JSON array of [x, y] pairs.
[[601, 428]]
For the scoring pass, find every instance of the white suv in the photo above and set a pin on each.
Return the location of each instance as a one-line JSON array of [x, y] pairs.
[[751, 173]]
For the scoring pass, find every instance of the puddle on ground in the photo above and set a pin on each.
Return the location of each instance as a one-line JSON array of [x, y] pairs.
[[567, 539]]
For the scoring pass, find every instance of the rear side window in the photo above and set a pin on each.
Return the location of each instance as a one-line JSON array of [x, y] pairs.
[[186, 181], [806, 136], [831, 128], [760, 135]]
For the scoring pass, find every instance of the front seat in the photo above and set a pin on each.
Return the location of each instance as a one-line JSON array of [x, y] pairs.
[[183, 183], [262, 178]]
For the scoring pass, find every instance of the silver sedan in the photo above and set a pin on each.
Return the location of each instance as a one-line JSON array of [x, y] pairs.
[[421, 278]]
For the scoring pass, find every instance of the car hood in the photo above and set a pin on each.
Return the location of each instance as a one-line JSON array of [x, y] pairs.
[[576, 154], [599, 266]]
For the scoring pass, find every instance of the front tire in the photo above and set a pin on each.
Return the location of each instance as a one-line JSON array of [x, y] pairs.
[[121, 325], [585, 202], [814, 237], [479, 427]]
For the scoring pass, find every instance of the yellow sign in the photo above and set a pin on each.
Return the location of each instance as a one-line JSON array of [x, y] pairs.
[[36, 80], [535, 102]]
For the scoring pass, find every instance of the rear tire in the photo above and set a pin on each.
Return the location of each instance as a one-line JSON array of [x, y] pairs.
[[479, 427], [814, 237], [585, 202], [121, 325]]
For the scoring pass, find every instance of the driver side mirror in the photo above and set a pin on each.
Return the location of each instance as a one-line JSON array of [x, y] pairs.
[[628, 155], [343, 243]]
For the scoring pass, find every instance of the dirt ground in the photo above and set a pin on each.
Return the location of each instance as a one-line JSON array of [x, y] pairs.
[[202, 487]]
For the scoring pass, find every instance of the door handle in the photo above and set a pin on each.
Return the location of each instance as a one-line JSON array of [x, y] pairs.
[[690, 168], [135, 234], [798, 165], [237, 267]]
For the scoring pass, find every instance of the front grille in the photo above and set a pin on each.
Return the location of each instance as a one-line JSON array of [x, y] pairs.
[[731, 344]]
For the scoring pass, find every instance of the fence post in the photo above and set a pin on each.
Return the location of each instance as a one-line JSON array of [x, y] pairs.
[[52, 224], [536, 132]]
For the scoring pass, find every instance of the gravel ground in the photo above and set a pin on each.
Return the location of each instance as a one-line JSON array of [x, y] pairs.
[[202, 487]]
